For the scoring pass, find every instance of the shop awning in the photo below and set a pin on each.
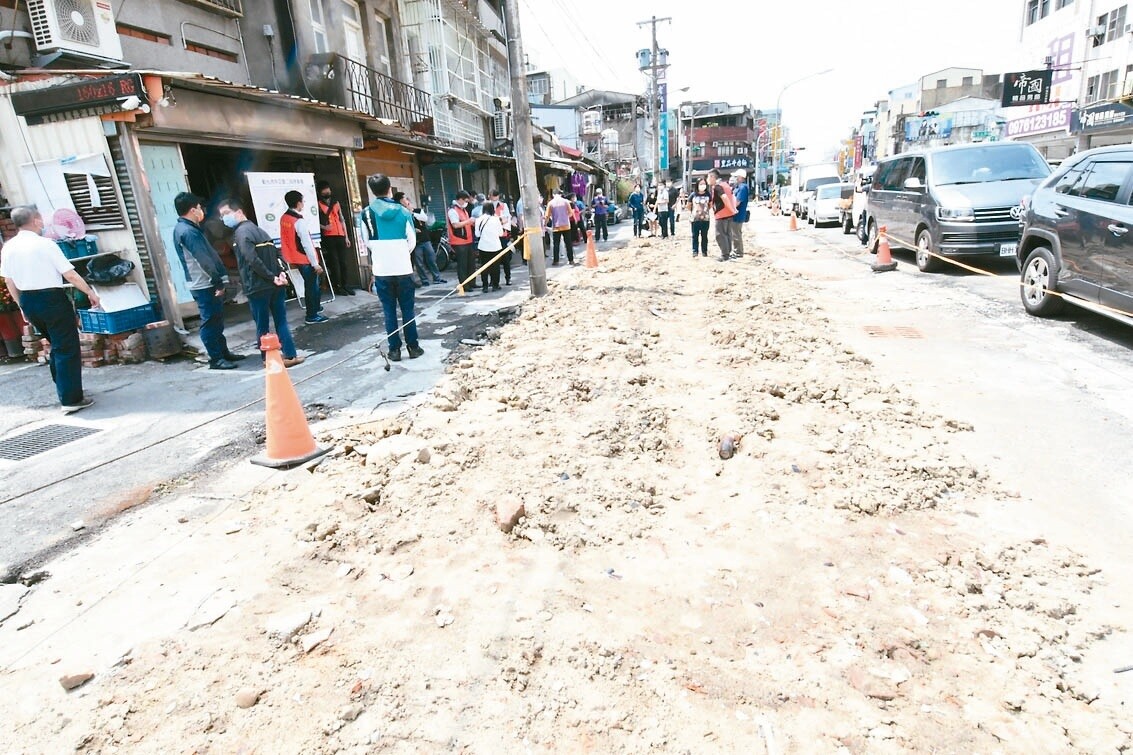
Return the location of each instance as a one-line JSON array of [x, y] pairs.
[[556, 163]]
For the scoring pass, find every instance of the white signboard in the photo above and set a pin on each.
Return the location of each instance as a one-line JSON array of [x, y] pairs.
[[267, 191]]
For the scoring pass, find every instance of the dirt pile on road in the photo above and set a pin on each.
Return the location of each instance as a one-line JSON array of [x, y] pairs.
[[551, 554]]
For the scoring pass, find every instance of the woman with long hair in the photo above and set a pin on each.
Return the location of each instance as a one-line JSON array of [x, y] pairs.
[[700, 210]]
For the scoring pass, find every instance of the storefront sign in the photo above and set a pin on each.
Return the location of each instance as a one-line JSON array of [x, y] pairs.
[[81, 98], [267, 190], [1107, 115], [1040, 120], [930, 127], [724, 163], [1026, 88]]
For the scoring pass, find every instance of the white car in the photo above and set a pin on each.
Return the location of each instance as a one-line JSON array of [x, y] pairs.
[[824, 205]]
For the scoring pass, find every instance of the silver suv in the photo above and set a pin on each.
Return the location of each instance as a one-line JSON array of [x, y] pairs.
[[953, 201]]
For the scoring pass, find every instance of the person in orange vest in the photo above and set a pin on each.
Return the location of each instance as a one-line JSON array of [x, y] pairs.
[[504, 214], [460, 236], [299, 250], [335, 242], [723, 209]]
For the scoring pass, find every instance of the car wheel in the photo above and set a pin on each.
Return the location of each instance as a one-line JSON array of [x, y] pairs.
[[1038, 284], [872, 237], [927, 262], [847, 225], [810, 220]]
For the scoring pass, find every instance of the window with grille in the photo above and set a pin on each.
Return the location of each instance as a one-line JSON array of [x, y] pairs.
[[95, 200]]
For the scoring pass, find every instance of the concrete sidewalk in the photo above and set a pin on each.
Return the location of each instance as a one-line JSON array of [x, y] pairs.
[[158, 425]]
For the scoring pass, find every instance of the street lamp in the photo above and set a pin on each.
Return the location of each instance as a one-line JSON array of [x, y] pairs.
[[779, 110], [688, 136]]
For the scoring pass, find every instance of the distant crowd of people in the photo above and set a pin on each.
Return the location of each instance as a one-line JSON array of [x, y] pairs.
[[398, 242], [709, 201]]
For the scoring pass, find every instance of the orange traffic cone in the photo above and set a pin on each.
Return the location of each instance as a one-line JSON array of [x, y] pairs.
[[884, 262], [289, 439], [591, 254], [794, 222]]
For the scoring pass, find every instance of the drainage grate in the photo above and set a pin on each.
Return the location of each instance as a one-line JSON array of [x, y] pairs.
[[46, 438], [900, 331]]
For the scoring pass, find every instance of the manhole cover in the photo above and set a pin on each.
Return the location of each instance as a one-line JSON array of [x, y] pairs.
[[41, 439]]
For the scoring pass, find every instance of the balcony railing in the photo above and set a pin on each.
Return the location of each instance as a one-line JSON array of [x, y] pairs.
[[357, 86]]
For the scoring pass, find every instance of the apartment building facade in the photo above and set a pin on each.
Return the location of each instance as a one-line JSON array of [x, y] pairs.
[[1088, 46]]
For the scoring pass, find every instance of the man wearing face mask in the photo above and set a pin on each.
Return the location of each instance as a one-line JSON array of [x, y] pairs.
[[335, 243], [206, 276], [261, 272], [460, 237], [34, 270]]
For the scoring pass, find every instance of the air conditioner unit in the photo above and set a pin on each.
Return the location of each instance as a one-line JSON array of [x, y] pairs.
[[1128, 28], [1096, 31], [1127, 87], [81, 27], [501, 125]]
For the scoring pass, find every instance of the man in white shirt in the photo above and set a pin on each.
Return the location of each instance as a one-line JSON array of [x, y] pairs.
[[35, 272]]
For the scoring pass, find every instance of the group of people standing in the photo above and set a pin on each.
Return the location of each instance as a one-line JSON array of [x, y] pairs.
[[263, 267], [710, 199], [477, 231]]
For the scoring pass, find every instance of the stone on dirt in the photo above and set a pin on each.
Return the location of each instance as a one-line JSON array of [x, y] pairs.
[[508, 513], [247, 697], [74, 681], [285, 625]]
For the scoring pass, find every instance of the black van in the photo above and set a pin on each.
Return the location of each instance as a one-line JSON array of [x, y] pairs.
[[954, 201], [1077, 247]]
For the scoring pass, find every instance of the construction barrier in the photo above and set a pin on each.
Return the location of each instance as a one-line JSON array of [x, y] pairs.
[[289, 439]]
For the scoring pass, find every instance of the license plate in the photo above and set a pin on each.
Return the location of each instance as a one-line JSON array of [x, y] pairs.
[[1008, 250]]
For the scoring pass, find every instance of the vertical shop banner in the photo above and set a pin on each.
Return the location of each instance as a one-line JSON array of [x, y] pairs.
[[267, 191], [663, 137]]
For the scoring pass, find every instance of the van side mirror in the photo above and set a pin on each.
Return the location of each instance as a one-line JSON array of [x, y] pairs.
[[914, 184]]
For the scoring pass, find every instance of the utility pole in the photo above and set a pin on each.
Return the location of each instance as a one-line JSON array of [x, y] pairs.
[[523, 148], [654, 110]]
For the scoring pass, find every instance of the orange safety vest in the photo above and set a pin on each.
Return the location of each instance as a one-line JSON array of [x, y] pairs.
[[454, 234], [293, 253], [728, 201], [335, 224]]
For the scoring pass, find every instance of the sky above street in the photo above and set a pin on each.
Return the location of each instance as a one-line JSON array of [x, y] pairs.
[[746, 51]]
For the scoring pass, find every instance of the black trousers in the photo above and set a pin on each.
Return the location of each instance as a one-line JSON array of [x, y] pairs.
[[53, 315], [600, 229], [465, 262], [490, 276], [335, 258], [567, 237]]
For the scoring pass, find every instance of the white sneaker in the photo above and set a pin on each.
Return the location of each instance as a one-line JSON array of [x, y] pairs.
[[72, 408]]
